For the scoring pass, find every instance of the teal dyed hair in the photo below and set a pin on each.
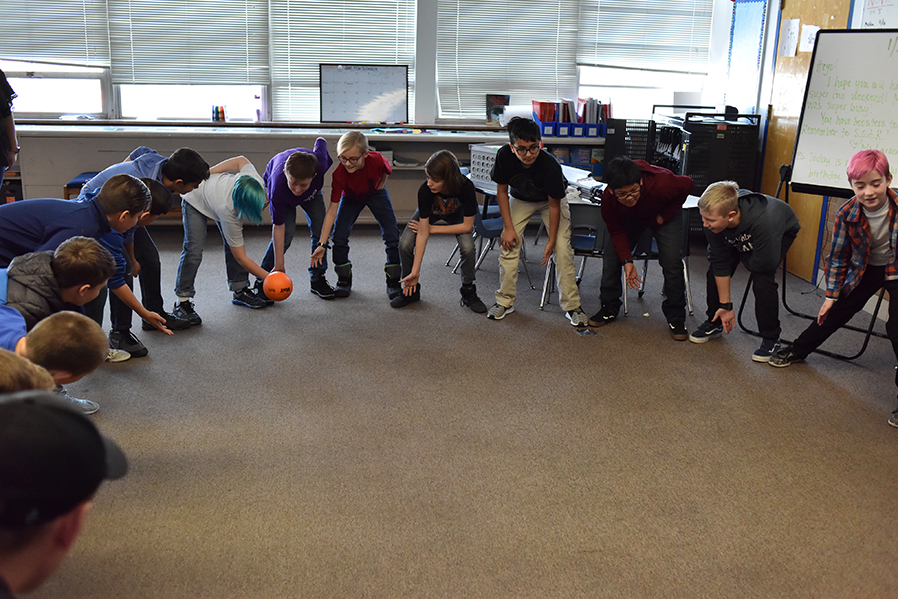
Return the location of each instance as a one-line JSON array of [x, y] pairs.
[[249, 198]]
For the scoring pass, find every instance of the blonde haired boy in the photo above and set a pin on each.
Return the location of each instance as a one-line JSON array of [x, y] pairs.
[[756, 230]]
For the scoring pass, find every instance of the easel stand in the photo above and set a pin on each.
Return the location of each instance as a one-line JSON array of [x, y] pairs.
[[785, 173]]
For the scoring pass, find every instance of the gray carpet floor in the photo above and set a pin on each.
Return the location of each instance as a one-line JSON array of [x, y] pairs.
[[347, 449]]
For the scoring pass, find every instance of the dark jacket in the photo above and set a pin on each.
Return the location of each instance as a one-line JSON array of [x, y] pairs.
[[32, 288]]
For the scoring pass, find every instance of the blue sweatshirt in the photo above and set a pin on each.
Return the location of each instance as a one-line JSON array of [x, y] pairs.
[[40, 225]]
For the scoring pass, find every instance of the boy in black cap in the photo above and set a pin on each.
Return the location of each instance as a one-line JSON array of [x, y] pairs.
[[52, 461]]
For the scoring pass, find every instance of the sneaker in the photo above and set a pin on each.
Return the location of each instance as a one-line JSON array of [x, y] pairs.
[[259, 291], [497, 312], [578, 317], [247, 298], [469, 299], [322, 288], [893, 419], [87, 406], [184, 310], [678, 331], [402, 300], [126, 341], [171, 322], [706, 331], [766, 350], [783, 358], [603, 317], [117, 355]]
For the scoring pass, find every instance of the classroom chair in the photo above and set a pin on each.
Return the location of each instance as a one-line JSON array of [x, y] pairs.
[[588, 235], [73, 187]]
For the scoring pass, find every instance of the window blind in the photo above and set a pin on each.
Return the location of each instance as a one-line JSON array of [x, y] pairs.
[[305, 33], [670, 35], [527, 50], [55, 31], [189, 41]]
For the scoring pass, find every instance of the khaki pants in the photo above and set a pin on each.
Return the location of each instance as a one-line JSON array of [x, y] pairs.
[[569, 297]]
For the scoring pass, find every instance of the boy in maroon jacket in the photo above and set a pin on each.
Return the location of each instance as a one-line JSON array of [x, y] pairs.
[[640, 196]]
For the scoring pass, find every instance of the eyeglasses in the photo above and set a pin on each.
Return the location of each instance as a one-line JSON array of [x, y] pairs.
[[634, 192], [348, 160], [523, 150]]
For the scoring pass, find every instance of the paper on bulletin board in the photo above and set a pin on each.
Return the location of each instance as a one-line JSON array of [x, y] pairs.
[[808, 36], [789, 37]]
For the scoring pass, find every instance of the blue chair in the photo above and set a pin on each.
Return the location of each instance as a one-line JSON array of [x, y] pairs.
[[73, 187], [647, 249], [488, 225]]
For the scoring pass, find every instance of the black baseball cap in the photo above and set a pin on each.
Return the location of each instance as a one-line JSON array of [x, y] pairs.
[[52, 458]]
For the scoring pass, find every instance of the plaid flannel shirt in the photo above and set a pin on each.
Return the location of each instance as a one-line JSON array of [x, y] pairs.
[[851, 247]]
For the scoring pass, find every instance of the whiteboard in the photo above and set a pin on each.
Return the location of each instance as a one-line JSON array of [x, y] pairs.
[[850, 104], [874, 14], [362, 93]]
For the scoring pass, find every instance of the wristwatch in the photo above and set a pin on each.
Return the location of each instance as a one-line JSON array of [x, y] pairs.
[[726, 306], [324, 245], [630, 261]]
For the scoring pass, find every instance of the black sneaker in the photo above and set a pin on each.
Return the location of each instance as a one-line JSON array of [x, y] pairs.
[[603, 317], [185, 311], [767, 349], [321, 288], [893, 419], [783, 358], [469, 299], [259, 291], [706, 331], [678, 331], [247, 298], [171, 321], [126, 341], [402, 300]]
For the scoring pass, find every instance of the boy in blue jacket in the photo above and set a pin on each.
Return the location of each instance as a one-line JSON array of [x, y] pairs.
[[39, 225]]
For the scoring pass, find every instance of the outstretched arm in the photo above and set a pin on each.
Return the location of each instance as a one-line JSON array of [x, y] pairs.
[[239, 253], [329, 217], [727, 318], [231, 165], [422, 229], [125, 294]]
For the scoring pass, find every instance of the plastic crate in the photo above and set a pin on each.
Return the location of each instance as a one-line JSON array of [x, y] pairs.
[[483, 157]]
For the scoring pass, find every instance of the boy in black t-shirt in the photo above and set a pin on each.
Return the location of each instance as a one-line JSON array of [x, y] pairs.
[[449, 197], [529, 180]]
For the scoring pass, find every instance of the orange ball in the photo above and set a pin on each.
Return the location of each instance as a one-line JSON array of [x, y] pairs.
[[278, 286]]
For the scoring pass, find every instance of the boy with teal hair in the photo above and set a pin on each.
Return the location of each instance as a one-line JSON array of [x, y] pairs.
[[232, 196]]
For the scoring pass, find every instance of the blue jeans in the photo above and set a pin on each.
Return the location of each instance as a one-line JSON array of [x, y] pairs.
[[669, 237], [466, 249], [379, 205], [195, 229], [314, 209]]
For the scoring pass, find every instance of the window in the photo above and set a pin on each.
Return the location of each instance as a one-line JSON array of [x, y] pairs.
[[352, 32], [663, 35], [56, 90], [177, 59], [528, 52]]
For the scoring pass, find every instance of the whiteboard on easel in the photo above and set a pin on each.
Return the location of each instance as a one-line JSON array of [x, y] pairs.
[[850, 104], [362, 93]]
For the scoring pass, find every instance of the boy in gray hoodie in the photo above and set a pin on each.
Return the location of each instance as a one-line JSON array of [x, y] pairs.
[[756, 230]]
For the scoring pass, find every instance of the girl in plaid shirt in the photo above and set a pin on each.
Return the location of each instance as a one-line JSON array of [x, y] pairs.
[[862, 260]]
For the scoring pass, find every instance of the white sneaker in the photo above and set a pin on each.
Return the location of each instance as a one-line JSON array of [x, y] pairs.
[[497, 312], [578, 317], [117, 355], [87, 406]]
